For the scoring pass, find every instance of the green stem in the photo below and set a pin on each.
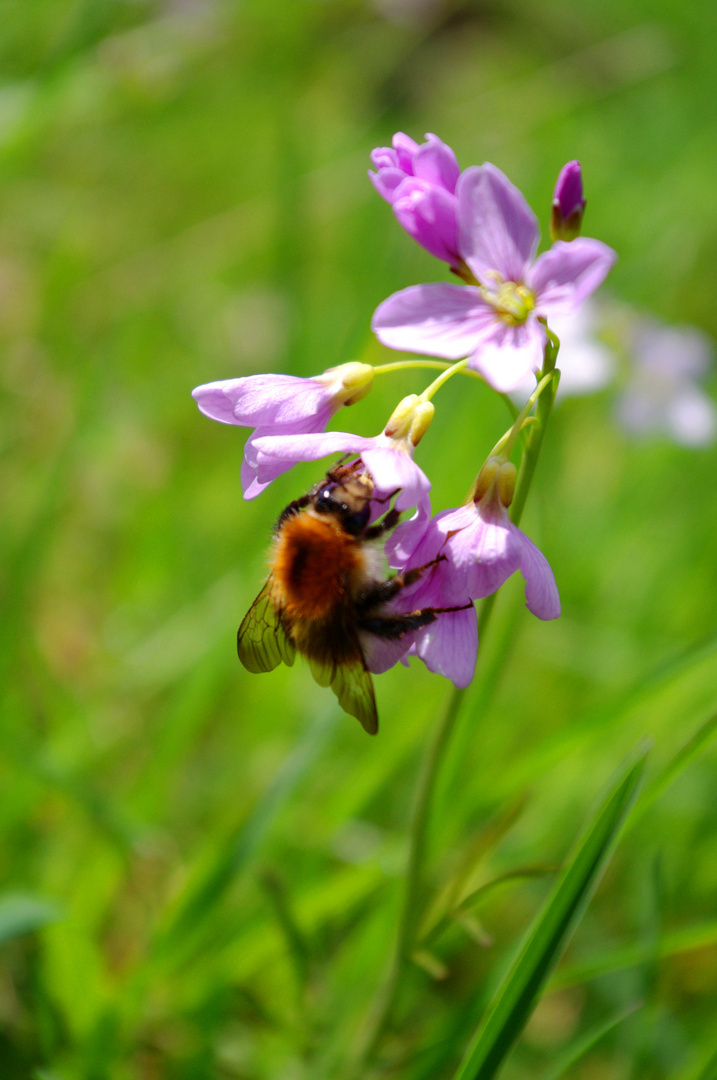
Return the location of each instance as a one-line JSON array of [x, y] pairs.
[[385, 1003], [439, 365], [537, 432], [443, 378], [436, 365]]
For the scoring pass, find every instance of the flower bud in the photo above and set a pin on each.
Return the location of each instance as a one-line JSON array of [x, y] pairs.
[[486, 478], [421, 421], [420, 184], [410, 420], [568, 203], [505, 482], [399, 422], [349, 382]]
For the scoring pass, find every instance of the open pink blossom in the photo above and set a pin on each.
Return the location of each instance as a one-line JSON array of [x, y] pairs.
[[388, 460], [495, 322], [478, 548], [420, 182], [281, 404]]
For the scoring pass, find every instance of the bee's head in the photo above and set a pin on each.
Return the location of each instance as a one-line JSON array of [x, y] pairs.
[[352, 509]]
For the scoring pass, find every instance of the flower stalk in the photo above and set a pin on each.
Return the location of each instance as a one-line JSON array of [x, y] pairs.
[[383, 1009]]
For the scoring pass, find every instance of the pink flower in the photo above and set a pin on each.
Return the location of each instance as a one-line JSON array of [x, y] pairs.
[[478, 548], [568, 203], [281, 404], [495, 322], [388, 460], [420, 184]]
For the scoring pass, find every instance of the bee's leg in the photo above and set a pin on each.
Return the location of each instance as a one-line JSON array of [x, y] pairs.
[[395, 626], [293, 508], [388, 522], [392, 627], [344, 469], [383, 591]]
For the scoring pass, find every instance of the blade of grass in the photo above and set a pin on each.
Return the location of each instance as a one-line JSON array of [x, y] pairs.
[[679, 941], [204, 893], [585, 1043], [703, 1065], [520, 989], [687, 753]]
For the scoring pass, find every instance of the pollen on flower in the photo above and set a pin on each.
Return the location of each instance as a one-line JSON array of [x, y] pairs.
[[511, 302]]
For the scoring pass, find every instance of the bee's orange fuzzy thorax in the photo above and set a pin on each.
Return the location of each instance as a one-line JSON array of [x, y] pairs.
[[314, 563]]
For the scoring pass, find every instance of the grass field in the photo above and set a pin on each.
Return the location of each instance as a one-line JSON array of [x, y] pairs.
[[201, 869]]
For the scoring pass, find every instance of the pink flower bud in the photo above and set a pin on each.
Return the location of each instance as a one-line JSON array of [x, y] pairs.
[[420, 182], [568, 203]]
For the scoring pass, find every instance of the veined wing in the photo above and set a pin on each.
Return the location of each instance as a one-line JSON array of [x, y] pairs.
[[352, 683], [262, 641]]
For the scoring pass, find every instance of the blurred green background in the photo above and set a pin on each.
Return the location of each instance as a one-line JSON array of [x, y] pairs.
[[200, 868]]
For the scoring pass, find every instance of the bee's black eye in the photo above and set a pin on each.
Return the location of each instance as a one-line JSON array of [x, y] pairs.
[[324, 502], [356, 523]]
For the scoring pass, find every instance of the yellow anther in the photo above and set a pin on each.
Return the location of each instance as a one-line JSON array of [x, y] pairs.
[[505, 482], [511, 302], [486, 478], [350, 382], [421, 421], [399, 422]]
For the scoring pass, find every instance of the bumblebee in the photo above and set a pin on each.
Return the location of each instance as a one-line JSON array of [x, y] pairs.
[[327, 592]]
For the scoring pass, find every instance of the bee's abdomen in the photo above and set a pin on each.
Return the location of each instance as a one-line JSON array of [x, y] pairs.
[[314, 563]]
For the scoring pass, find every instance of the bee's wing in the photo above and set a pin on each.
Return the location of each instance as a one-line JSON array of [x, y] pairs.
[[352, 683], [262, 641]]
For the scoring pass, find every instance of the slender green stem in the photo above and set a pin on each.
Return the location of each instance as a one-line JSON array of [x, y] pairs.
[[537, 431], [385, 1003], [448, 374], [436, 365], [439, 365], [504, 446]]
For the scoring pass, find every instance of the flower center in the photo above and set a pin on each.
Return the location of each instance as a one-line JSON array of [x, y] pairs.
[[512, 302]]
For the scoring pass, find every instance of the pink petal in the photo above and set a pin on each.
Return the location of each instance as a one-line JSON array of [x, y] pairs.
[[541, 592], [392, 469], [439, 320], [310, 447], [435, 161], [387, 181], [510, 353], [405, 148], [384, 157], [485, 554], [497, 230], [568, 273], [406, 537], [381, 654], [264, 399], [449, 645], [428, 214]]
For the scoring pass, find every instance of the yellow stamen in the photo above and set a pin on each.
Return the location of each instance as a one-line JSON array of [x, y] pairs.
[[511, 301]]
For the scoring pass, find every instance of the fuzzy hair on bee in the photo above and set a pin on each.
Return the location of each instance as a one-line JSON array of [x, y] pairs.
[[327, 590]]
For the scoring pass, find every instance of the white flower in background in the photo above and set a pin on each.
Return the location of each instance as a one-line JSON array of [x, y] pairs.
[[662, 394], [586, 363], [661, 365]]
